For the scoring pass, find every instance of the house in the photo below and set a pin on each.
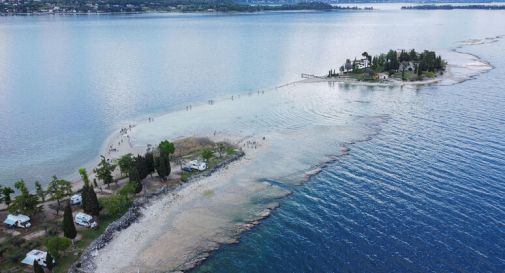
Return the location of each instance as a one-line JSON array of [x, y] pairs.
[[35, 255], [382, 76], [362, 63]]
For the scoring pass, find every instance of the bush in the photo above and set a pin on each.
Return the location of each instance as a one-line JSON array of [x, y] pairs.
[[127, 189], [57, 244], [115, 205]]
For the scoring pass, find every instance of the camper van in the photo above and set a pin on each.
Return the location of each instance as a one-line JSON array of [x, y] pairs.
[[76, 199], [85, 220], [19, 220], [35, 255], [198, 165]]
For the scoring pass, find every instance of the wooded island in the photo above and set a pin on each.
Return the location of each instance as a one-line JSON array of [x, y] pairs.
[[395, 64]]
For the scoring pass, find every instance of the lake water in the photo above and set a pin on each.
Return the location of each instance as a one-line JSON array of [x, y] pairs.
[[426, 194]]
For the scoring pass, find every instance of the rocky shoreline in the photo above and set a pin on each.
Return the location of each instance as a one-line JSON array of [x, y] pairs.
[[86, 261]]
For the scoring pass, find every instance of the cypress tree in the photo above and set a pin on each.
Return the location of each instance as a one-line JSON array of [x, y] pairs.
[[149, 162], [49, 262], [163, 166], [93, 205], [141, 165], [68, 223], [85, 188], [37, 268]]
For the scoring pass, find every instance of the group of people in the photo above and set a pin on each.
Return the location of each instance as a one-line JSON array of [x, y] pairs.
[[252, 143], [123, 132]]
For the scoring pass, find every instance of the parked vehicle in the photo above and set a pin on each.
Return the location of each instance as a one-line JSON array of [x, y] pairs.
[[76, 199], [85, 220], [198, 165], [36, 255], [187, 169], [19, 220]]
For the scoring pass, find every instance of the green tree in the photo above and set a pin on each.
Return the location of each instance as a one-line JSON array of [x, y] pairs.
[[85, 187], [6, 195], [49, 262], [348, 65], [137, 186], [93, 207], [166, 147], [149, 162], [163, 167], [104, 171], [25, 202], [68, 224], [413, 55], [125, 163], [115, 205], [141, 165], [391, 61], [37, 268], [58, 189], [404, 56], [55, 245], [207, 154], [127, 189], [221, 148], [40, 192]]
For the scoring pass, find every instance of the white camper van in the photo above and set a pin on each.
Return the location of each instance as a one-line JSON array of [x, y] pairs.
[[85, 220], [36, 255], [76, 199], [19, 220], [198, 165]]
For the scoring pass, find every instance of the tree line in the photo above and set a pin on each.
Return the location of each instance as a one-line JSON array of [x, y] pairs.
[[136, 168], [393, 61], [450, 7]]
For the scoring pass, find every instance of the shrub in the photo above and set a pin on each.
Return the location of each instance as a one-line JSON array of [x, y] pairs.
[[57, 244], [115, 205]]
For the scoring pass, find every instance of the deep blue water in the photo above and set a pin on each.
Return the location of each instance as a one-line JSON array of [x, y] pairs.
[[427, 194]]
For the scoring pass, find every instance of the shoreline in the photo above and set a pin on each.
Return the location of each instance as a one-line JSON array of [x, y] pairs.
[[189, 256], [125, 242], [193, 188], [134, 214]]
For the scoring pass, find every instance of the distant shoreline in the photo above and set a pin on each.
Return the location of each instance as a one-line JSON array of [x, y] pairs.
[[453, 7], [49, 8]]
